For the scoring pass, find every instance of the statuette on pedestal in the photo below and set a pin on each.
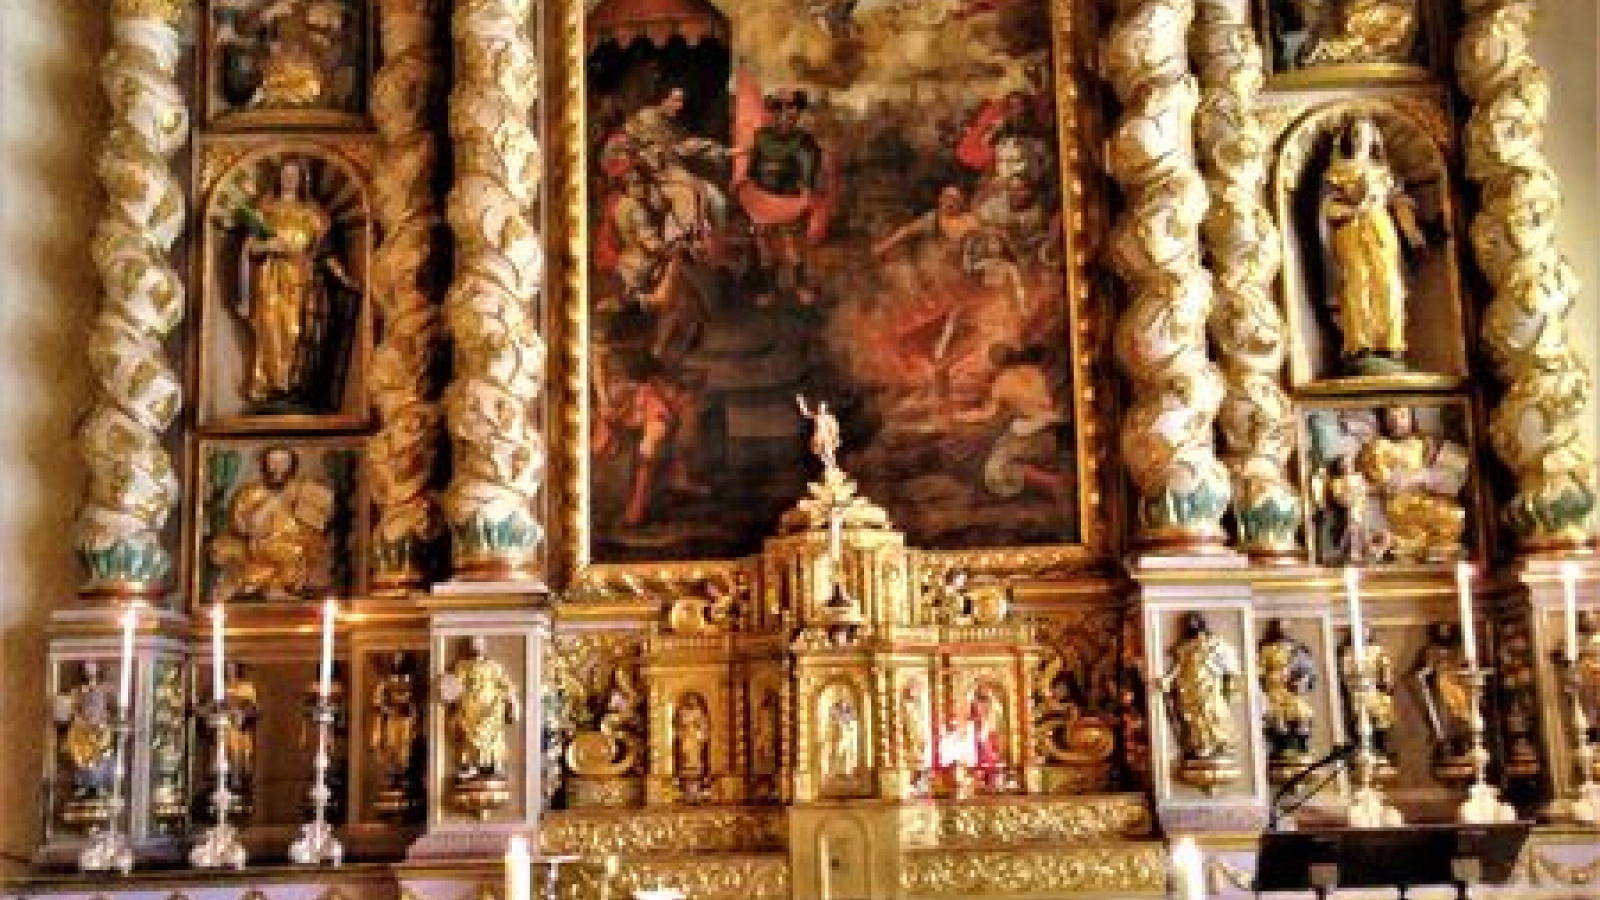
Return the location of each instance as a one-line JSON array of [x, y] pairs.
[[395, 736], [1288, 679], [84, 714], [482, 702], [1447, 700], [1377, 703], [1202, 686]]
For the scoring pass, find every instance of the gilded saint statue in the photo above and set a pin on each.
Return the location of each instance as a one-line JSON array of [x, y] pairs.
[[1586, 673], [1203, 684], [295, 296], [1419, 479], [275, 540], [84, 714], [393, 735], [691, 737], [825, 440], [1288, 678], [168, 732], [1377, 704], [841, 737], [483, 703], [243, 704], [1440, 675], [1365, 215], [1344, 32]]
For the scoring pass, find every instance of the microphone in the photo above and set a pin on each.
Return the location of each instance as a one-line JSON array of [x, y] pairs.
[[1331, 760]]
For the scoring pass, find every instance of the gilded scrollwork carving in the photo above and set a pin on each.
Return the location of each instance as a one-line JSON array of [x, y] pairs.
[[137, 393], [491, 307], [1257, 418], [1167, 434], [597, 714], [1536, 428], [653, 831], [401, 455], [1075, 694], [1078, 820], [1134, 868]]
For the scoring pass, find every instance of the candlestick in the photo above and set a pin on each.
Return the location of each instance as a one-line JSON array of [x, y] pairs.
[[1352, 601], [1483, 804], [218, 625], [1569, 597], [130, 621], [1469, 631], [519, 869], [1188, 870]]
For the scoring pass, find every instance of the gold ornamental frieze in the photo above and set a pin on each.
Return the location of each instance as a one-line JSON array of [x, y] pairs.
[[1025, 821], [640, 831], [1132, 870]]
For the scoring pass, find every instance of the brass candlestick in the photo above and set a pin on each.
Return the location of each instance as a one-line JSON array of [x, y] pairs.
[[108, 848], [1483, 805], [1367, 808], [219, 846]]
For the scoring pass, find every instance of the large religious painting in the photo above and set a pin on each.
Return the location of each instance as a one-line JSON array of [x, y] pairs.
[[859, 203]]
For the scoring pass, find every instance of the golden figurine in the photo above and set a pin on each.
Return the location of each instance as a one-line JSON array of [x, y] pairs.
[[1341, 32], [288, 279], [1377, 703], [1203, 684], [242, 702], [285, 54], [1447, 700], [765, 725], [393, 736], [1365, 214], [168, 729], [691, 738], [825, 439], [88, 744], [1419, 479], [1288, 678], [482, 702], [275, 546], [1342, 494]]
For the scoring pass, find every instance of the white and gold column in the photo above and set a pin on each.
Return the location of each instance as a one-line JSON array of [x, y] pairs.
[[1167, 439], [137, 393], [401, 455], [1536, 427], [1257, 418], [493, 405]]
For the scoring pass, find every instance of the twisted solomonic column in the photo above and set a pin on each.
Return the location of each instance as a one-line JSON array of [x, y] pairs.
[[401, 455], [492, 405], [1167, 440], [1535, 428], [137, 392], [1257, 419]]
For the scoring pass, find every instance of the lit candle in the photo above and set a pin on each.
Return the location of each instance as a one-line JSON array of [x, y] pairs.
[[1188, 870], [218, 621], [519, 869], [130, 620], [1358, 629], [1569, 597], [330, 612], [1469, 632]]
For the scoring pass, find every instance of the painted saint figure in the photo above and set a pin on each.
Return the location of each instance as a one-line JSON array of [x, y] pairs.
[[87, 738], [779, 183], [841, 738], [483, 702], [1288, 677], [288, 279], [1203, 684], [1419, 479], [1446, 698], [1586, 674], [691, 737], [275, 540], [1377, 704], [1365, 215], [396, 717]]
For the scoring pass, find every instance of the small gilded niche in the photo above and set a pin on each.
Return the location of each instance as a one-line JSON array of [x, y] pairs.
[[287, 63]]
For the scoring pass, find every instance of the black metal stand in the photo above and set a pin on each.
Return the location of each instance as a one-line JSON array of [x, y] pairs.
[[1322, 861]]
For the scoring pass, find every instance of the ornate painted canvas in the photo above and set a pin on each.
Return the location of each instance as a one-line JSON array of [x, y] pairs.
[[857, 203]]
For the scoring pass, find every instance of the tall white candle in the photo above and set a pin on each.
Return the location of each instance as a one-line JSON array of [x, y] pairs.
[[218, 625], [1358, 628], [1188, 870], [1469, 631], [330, 612], [1569, 598], [519, 869], [130, 621]]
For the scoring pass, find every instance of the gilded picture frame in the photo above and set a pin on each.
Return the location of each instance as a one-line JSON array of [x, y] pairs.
[[572, 133]]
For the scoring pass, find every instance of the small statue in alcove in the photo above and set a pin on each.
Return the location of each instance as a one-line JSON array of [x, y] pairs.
[[1288, 677], [1367, 221]]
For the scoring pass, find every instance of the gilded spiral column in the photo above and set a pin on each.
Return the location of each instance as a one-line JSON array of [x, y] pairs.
[[1167, 440], [137, 393], [401, 455], [1257, 416], [1536, 427], [492, 405]]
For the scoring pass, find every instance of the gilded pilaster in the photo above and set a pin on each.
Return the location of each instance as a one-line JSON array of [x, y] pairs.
[[1167, 440], [1535, 428], [400, 456], [491, 309], [1257, 417], [137, 394]]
